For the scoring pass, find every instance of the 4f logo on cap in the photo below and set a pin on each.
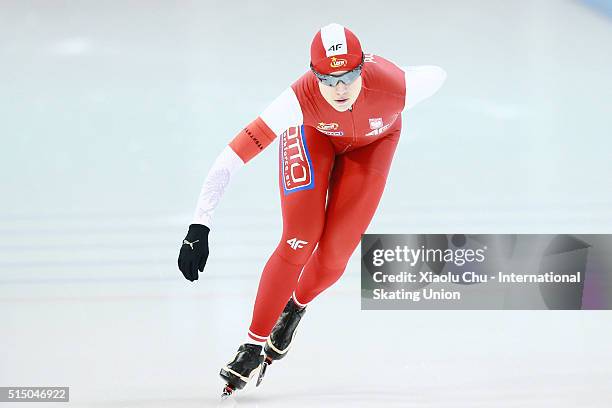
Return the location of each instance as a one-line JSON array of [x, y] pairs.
[[337, 62], [335, 47], [295, 161]]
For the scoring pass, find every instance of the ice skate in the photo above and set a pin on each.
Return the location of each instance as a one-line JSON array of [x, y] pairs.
[[239, 371], [279, 341]]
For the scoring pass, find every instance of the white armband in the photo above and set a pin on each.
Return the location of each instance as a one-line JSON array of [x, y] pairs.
[[422, 82], [283, 113]]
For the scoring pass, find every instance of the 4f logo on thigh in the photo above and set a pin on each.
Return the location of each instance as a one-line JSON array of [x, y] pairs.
[[296, 165], [296, 243]]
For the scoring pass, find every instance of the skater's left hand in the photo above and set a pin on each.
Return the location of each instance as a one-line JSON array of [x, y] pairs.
[[194, 251]]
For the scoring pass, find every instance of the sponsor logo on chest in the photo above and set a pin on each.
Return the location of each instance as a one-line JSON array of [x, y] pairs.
[[330, 129], [378, 127], [376, 123]]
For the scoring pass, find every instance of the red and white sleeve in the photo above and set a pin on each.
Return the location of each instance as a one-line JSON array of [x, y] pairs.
[[282, 113]]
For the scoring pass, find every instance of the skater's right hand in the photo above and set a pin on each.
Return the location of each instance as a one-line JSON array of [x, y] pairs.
[[194, 251]]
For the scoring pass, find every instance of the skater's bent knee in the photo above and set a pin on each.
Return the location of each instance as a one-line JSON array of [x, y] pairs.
[[330, 261], [291, 256]]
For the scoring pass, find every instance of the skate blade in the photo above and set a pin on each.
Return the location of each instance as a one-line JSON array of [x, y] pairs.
[[227, 392], [262, 372]]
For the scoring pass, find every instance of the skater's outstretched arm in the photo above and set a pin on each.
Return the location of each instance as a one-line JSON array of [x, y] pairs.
[[282, 113], [422, 82]]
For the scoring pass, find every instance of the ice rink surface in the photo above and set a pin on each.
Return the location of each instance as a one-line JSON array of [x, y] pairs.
[[111, 114]]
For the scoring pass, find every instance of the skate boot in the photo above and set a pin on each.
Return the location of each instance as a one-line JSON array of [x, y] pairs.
[[284, 330], [280, 339], [240, 370]]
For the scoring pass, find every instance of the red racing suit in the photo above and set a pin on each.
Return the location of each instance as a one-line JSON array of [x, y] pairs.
[[332, 171]]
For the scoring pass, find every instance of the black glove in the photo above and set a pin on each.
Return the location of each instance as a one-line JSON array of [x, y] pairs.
[[194, 251]]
